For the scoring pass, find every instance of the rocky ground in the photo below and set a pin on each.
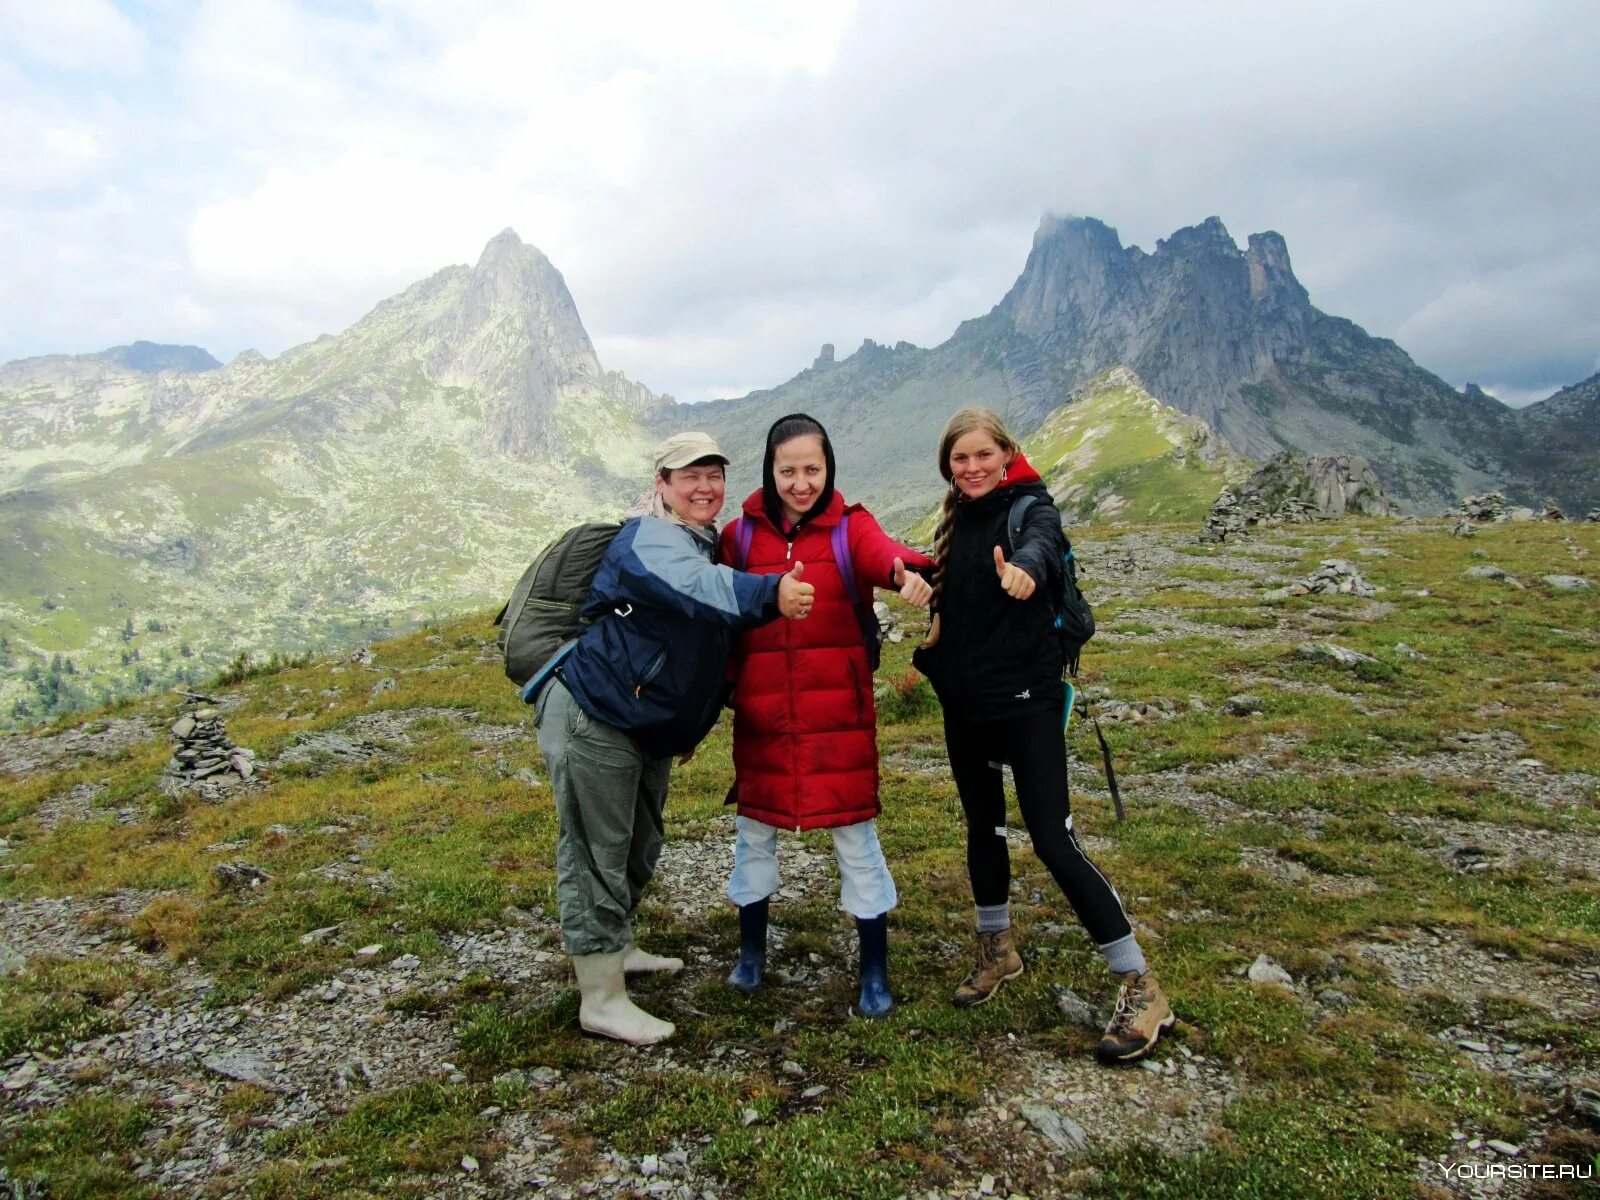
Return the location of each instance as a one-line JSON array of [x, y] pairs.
[[226, 1075]]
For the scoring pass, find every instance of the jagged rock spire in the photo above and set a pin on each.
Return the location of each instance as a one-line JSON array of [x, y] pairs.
[[515, 335]]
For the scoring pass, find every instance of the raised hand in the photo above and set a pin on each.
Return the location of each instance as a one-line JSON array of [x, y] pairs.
[[795, 596], [914, 589], [1016, 582]]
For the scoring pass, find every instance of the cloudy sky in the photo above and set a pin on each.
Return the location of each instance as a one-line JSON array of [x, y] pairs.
[[726, 186]]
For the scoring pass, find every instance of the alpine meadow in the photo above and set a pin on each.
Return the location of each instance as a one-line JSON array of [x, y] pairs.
[[278, 844]]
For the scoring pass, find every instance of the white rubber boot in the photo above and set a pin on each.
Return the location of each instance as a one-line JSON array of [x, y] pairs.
[[641, 962], [605, 1008]]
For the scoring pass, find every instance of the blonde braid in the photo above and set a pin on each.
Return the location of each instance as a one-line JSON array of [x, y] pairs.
[[941, 555]]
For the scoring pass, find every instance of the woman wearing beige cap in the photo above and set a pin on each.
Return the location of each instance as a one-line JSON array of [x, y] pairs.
[[642, 684]]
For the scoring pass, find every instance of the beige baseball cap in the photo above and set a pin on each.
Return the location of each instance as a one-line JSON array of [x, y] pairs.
[[681, 449]]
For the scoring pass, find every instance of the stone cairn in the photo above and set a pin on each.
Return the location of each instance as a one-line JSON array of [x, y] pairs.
[[1231, 513], [888, 622], [1490, 506], [205, 756], [1235, 514], [1337, 575]]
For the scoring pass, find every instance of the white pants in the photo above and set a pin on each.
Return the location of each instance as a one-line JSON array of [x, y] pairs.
[[866, 889]]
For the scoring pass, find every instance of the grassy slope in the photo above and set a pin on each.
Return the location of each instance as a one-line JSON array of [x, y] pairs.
[[1115, 453], [300, 541], [1339, 1105]]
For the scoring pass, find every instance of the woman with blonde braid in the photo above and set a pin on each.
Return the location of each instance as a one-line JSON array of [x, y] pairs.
[[995, 660]]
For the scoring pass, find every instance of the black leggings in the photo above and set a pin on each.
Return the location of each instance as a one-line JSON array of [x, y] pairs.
[[1035, 746]]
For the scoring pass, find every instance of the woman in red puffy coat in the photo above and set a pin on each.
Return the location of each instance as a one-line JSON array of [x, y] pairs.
[[805, 748]]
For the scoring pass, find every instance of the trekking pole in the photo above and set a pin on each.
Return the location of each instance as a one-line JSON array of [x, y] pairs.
[[1111, 774], [1105, 750]]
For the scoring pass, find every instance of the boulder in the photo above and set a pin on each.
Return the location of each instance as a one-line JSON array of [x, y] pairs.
[[1489, 571], [1323, 486], [1265, 970], [1339, 656]]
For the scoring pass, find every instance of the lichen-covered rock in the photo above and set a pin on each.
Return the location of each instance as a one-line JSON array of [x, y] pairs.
[[1567, 583]]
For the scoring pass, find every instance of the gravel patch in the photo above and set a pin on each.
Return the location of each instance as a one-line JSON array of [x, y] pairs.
[[22, 754], [1445, 961]]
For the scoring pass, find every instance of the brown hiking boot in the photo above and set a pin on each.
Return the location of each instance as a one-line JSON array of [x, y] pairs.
[[998, 961], [1141, 1014]]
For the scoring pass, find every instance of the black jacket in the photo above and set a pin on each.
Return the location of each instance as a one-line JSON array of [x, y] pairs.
[[997, 657]]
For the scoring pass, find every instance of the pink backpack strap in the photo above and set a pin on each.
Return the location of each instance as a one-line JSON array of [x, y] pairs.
[[841, 558], [744, 530]]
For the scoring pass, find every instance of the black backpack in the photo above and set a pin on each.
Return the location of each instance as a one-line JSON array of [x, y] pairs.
[[542, 615], [1075, 626], [1074, 618]]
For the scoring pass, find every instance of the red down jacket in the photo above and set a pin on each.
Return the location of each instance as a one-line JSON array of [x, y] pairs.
[[805, 748]]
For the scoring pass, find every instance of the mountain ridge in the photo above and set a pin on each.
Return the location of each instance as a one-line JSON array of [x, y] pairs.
[[1227, 335], [415, 462], [153, 526]]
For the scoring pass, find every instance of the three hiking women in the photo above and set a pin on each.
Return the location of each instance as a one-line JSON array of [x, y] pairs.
[[643, 683], [805, 748], [995, 660]]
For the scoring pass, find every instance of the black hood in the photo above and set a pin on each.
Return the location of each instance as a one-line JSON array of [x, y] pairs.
[[801, 425]]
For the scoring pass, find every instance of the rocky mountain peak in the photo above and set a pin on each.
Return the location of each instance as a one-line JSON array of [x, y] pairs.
[[1211, 236], [149, 358], [1076, 267], [1271, 276], [514, 333]]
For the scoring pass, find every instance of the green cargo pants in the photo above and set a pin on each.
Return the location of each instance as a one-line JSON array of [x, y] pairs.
[[609, 798]]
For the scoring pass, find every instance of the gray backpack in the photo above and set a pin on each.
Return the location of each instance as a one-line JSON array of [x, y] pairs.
[[542, 615]]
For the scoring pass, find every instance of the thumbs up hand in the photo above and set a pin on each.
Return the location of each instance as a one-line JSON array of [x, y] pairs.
[[794, 596], [1016, 582], [914, 589]]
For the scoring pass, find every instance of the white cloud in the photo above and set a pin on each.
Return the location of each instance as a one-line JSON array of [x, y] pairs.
[[726, 186], [73, 35], [362, 221]]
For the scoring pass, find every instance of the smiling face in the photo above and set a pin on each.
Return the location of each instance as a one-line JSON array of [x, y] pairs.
[[799, 472], [694, 492], [977, 463]]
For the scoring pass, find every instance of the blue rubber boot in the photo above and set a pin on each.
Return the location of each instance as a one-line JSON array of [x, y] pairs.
[[875, 1000], [746, 973]]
